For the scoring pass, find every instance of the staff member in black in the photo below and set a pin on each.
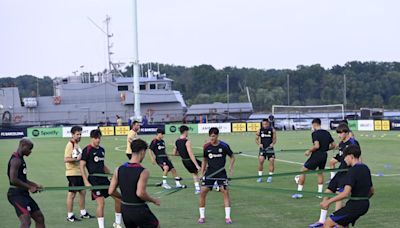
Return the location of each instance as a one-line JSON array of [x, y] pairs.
[[131, 178]]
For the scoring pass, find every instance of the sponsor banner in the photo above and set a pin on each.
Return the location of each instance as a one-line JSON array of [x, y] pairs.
[[378, 125], [51, 132], [174, 128], [385, 125], [238, 127], [12, 133], [107, 131], [151, 129], [395, 125], [121, 130], [223, 127], [66, 131], [365, 125], [255, 126], [353, 125]]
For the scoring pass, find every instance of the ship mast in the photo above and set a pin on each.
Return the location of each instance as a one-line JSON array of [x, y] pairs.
[[136, 66]]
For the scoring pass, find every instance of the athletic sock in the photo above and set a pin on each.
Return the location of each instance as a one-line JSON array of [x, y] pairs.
[[320, 187], [227, 212], [202, 211], [260, 173], [271, 173], [70, 214], [83, 212], [322, 216], [300, 187], [164, 179], [118, 217], [197, 185], [177, 181], [100, 221], [332, 175]]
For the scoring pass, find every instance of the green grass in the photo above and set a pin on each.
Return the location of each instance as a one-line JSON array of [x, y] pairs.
[[250, 207]]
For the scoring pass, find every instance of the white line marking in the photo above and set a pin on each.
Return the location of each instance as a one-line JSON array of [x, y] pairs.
[[119, 148]]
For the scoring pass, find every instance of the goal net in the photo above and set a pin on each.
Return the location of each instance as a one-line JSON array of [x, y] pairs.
[[290, 117]]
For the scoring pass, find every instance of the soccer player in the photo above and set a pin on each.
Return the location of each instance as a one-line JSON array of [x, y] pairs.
[[358, 183], [266, 139], [214, 159], [72, 155], [322, 142], [132, 135], [336, 185], [18, 193], [131, 178], [158, 156], [183, 147], [93, 156]]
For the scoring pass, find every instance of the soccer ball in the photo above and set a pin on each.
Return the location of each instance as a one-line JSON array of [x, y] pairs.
[[296, 179], [76, 152]]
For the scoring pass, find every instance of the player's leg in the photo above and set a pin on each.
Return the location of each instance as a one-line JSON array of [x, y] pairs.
[[322, 216], [82, 203], [25, 220], [70, 205], [117, 207], [38, 217], [177, 178], [100, 211], [196, 180], [202, 203], [227, 204], [320, 176], [332, 165], [300, 186], [164, 177], [271, 167], [329, 223], [261, 160]]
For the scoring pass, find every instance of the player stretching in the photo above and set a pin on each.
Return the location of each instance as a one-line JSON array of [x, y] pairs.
[[266, 139], [214, 160], [336, 185], [158, 156], [132, 135], [322, 142], [184, 149], [93, 160], [131, 178], [358, 183], [18, 193], [72, 155]]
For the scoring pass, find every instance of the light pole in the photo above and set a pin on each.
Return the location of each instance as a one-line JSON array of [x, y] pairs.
[[288, 93], [227, 92]]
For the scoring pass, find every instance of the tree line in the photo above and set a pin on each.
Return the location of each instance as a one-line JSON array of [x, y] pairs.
[[369, 84]]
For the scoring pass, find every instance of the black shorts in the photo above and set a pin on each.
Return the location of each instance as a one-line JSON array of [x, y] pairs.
[[164, 162], [96, 193], [190, 166], [23, 204], [129, 156], [316, 161], [267, 153], [138, 216], [75, 181], [351, 212], [221, 178], [338, 157], [338, 182]]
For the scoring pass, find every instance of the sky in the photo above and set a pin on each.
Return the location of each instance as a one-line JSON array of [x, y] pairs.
[[54, 38]]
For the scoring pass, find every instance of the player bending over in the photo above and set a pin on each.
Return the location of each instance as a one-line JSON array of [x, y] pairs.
[[93, 156], [266, 139], [214, 160], [160, 157], [358, 183], [336, 185], [183, 147], [131, 178], [18, 193], [322, 142]]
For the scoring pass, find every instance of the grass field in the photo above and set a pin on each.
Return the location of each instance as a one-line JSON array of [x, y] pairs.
[[250, 207]]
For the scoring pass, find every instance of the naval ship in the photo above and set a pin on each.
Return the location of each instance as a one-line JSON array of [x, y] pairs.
[[93, 99]]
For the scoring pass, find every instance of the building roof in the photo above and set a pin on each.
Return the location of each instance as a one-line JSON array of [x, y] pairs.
[[219, 108]]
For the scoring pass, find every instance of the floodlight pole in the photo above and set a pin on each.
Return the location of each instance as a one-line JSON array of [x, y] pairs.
[[136, 67]]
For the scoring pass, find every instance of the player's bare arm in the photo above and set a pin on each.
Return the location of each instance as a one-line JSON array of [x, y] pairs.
[[273, 138], [15, 181], [343, 195], [231, 163], [314, 148], [258, 139], [191, 155], [141, 188], [114, 183], [82, 167]]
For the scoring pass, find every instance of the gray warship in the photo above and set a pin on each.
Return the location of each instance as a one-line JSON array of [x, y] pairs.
[[93, 99]]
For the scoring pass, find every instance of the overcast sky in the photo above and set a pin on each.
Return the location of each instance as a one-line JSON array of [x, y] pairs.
[[54, 37]]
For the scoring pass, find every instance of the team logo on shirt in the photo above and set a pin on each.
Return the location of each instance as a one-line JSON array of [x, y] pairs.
[[220, 150], [161, 147], [25, 171], [98, 193], [97, 159], [211, 156], [28, 208]]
